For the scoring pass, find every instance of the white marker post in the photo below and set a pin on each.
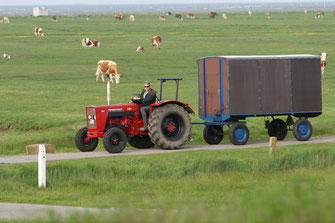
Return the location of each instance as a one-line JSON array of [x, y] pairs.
[[42, 166], [108, 90]]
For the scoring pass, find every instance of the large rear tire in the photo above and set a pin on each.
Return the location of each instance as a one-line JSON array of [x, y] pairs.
[[169, 126], [84, 143], [213, 134], [302, 130], [140, 141], [277, 128], [115, 140]]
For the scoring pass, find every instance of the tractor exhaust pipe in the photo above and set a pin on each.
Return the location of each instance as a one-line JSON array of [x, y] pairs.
[[108, 90]]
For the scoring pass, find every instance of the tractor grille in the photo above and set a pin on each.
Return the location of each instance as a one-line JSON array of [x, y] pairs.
[[91, 118]]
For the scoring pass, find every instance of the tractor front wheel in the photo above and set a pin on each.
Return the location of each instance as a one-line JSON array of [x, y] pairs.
[[115, 140], [84, 143], [169, 126]]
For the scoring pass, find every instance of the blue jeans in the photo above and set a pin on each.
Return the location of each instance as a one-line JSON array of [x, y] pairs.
[[144, 111]]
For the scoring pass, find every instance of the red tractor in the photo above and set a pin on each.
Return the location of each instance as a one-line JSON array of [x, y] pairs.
[[169, 125]]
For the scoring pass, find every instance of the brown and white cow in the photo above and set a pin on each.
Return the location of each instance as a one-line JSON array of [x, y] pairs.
[[140, 49], [132, 18], [162, 17], [323, 57], [108, 67], [6, 20], [213, 13], [156, 42], [179, 17], [190, 15], [1, 21], [54, 19], [305, 11], [38, 31], [224, 15], [87, 42], [319, 15], [267, 15], [5, 56], [119, 16]]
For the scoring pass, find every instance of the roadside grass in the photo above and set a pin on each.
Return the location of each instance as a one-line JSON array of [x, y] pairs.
[[48, 82], [244, 185]]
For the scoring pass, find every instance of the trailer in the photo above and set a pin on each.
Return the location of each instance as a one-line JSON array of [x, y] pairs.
[[232, 88]]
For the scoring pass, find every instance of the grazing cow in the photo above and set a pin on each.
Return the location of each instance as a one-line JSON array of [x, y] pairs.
[[168, 13], [88, 17], [214, 13], [132, 18], [5, 56], [87, 42], [323, 57], [108, 67], [211, 16], [6, 20], [140, 49], [305, 12], [156, 42], [119, 16], [179, 17], [38, 31], [319, 15], [54, 18], [1, 20], [250, 13], [334, 14], [162, 17], [267, 15], [190, 15], [224, 15]]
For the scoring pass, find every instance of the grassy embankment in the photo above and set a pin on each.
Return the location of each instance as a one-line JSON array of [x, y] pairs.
[[48, 82], [295, 185]]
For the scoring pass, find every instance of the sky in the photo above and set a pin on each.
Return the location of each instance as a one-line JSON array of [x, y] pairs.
[[108, 2]]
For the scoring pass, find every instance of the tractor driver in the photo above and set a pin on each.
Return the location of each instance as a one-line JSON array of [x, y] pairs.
[[148, 96]]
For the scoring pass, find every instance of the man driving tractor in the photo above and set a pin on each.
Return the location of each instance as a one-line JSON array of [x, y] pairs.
[[147, 97]]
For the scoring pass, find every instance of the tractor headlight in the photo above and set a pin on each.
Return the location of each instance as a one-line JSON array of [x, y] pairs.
[[89, 117]]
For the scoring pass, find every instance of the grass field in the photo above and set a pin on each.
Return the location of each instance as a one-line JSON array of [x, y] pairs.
[[48, 82], [295, 185]]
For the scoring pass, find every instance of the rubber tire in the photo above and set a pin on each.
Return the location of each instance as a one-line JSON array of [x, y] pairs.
[[107, 140], [157, 132], [213, 134], [81, 145], [299, 124], [232, 133], [140, 141], [277, 128]]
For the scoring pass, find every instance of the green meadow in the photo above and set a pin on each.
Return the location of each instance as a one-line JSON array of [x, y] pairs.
[[295, 185], [48, 82]]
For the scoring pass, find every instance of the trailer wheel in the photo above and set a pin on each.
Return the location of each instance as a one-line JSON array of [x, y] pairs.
[[238, 134], [114, 140], [302, 130], [84, 143], [169, 126], [213, 134], [140, 141], [278, 128]]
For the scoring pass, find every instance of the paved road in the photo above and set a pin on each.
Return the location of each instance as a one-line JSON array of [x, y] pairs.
[[31, 211], [80, 155]]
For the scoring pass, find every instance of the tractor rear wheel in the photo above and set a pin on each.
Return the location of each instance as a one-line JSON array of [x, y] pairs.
[[84, 143], [140, 141], [115, 140], [213, 134], [169, 126]]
